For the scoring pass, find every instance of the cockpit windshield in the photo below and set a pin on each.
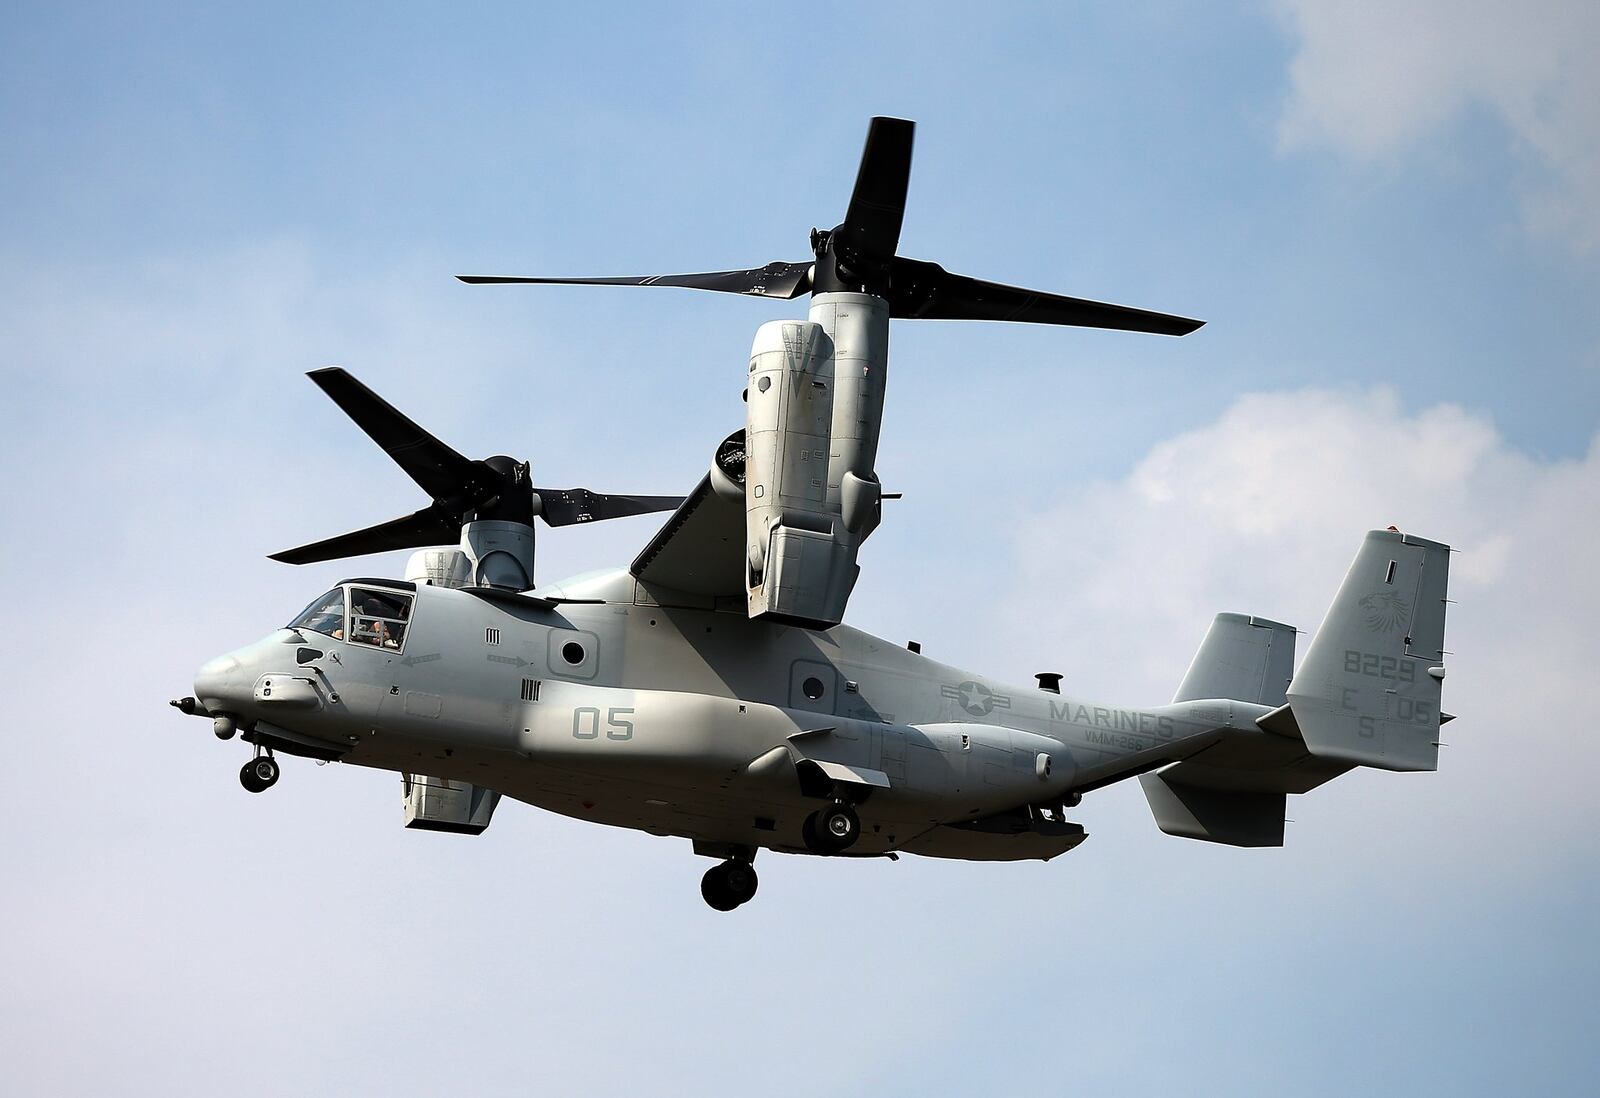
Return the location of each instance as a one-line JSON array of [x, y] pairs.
[[378, 618], [324, 615]]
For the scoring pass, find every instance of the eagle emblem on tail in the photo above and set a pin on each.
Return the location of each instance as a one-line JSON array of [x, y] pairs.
[[1384, 611]]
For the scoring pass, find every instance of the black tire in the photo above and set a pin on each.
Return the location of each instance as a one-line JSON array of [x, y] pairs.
[[740, 880], [812, 836], [715, 891], [266, 770], [838, 826], [248, 779]]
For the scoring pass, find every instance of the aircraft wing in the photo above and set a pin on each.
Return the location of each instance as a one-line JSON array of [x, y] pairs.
[[700, 550]]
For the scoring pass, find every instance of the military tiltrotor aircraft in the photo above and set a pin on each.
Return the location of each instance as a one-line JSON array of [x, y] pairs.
[[709, 690]]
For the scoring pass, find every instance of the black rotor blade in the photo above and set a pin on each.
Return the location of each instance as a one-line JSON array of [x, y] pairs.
[[425, 527], [565, 506], [878, 203], [439, 470], [926, 291], [777, 279]]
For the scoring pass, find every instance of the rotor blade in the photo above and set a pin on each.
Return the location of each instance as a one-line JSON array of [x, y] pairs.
[[926, 291], [777, 279], [425, 527], [878, 203], [440, 471], [565, 506]]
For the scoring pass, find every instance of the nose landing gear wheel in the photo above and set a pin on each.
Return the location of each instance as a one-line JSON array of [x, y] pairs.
[[729, 884], [259, 774], [832, 830]]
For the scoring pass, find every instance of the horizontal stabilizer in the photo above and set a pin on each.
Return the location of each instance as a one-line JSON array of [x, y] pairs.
[[1242, 658], [1214, 816]]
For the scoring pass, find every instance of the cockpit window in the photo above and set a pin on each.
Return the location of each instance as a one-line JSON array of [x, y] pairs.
[[379, 617], [324, 615]]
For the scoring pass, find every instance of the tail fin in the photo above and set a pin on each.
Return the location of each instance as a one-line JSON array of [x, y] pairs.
[[1243, 658], [1366, 695], [1368, 692]]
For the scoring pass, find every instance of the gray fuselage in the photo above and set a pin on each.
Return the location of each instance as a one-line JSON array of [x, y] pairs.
[[697, 723]]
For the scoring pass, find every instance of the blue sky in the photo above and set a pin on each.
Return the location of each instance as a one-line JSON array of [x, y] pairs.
[[1388, 213]]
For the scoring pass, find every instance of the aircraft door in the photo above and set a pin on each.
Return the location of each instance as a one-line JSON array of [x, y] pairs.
[[813, 685], [892, 755]]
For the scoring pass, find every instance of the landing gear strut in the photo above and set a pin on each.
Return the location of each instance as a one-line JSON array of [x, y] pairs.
[[832, 830], [259, 774], [729, 884]]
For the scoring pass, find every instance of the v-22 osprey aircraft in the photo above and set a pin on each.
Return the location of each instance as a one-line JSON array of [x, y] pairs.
[[710, 691]]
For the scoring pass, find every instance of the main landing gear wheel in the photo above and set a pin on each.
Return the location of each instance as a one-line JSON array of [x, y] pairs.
[[729, 884], [832, 830], [259, 774]]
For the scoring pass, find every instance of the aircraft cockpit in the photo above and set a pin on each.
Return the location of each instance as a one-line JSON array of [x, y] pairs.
[[359, 614]]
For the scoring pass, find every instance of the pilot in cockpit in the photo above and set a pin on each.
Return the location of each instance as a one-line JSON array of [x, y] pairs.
[[378, 618]]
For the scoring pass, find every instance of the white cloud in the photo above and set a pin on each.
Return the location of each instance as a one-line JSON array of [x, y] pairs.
[[1372, 78], [1261, 512]]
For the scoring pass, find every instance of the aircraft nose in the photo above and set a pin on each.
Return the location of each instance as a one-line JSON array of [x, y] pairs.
[[218, 683]]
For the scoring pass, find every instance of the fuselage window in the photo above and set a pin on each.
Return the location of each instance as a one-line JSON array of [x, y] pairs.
[[325, 615], [379, 618]]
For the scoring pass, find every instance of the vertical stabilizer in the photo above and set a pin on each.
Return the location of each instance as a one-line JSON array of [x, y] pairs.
[[1368, 692], [1242, 658]]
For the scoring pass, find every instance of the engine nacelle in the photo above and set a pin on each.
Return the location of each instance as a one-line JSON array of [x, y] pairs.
[[727, 468], [815, 407]]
